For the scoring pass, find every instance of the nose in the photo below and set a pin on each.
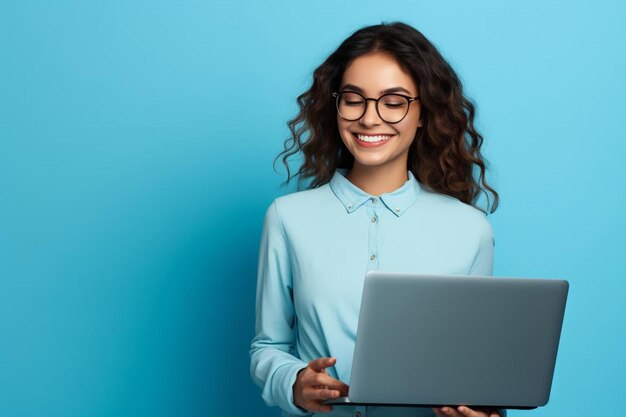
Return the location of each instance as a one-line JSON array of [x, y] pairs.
[[370, 117]]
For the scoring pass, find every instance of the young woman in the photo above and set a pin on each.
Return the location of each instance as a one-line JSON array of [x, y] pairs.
[[389, 146]]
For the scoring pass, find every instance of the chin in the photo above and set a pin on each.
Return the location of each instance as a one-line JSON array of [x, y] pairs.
[[371, 162]]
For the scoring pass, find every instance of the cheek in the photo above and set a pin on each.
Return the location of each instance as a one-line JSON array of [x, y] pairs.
[[342, 124], [418, 118], [343, 130], [408, 129], [409, 126]]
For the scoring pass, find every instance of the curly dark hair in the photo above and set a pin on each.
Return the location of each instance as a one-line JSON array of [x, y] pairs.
[[445, 155]]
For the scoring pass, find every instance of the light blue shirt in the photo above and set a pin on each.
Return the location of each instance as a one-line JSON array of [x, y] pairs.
[[315, 249]]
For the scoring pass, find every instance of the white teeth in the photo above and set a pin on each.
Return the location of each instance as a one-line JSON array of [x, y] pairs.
[[377, 138]]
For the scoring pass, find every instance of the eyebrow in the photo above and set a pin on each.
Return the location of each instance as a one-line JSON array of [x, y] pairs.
[[387, 91]]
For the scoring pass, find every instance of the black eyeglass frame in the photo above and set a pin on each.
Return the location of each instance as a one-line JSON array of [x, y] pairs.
[[409, 99]]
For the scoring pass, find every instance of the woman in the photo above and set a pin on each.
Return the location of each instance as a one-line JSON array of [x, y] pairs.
[[390, 150]]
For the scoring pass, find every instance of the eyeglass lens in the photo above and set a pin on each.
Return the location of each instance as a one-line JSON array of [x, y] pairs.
[[391, 107]]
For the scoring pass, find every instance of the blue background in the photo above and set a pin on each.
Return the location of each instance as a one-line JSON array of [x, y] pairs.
[[136, 148]]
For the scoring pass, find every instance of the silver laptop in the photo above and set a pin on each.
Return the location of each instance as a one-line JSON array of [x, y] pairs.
[[433, 340]]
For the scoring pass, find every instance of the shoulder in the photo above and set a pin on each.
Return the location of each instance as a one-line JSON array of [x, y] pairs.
[[296, 215], [454, 212], [302, 203], [304, 200]]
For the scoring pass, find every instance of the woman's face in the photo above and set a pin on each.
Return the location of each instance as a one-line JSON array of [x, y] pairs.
[[372, 75]]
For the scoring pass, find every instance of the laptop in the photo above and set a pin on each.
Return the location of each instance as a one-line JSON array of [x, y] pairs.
[[449, 340]]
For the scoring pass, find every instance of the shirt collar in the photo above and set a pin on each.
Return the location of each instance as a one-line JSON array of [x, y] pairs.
[[352, 197]]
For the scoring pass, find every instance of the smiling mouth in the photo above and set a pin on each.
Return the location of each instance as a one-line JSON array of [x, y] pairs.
[[372, 138]]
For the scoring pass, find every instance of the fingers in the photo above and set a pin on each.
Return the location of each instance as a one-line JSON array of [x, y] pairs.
[[462, 411], [315, 385], [468, 412], [319, 364], [325, 380], [311, 394], [318, 407], [321, 378], [314, 398], [450, 412], [438, 412]]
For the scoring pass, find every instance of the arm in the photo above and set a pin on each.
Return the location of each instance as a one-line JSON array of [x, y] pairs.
[[483, 259], [274, 364], [483, 262]]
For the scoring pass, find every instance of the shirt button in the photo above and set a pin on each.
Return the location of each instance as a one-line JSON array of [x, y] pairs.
[[349, 206], [373, 200], [373, 257], [374, 219], [397, 209]]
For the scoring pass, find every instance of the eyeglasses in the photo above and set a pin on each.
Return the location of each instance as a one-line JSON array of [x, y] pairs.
[[352, 106]]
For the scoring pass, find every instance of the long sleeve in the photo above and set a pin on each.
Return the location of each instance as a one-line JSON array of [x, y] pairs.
[[483, 263], [274, 362], [483, 260]]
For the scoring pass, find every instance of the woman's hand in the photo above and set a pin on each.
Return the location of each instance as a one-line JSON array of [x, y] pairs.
[[463, 411], [313, 385]]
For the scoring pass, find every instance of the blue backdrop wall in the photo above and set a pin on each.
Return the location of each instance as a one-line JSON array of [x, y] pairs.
[[136, 148]]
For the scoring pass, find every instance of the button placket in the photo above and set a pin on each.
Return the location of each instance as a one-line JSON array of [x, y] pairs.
[[372, 246]]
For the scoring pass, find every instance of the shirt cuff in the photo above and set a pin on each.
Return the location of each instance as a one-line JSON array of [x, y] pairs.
[[291, 379]]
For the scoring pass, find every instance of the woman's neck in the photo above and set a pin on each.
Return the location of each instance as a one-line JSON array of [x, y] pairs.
[[377, 180]]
